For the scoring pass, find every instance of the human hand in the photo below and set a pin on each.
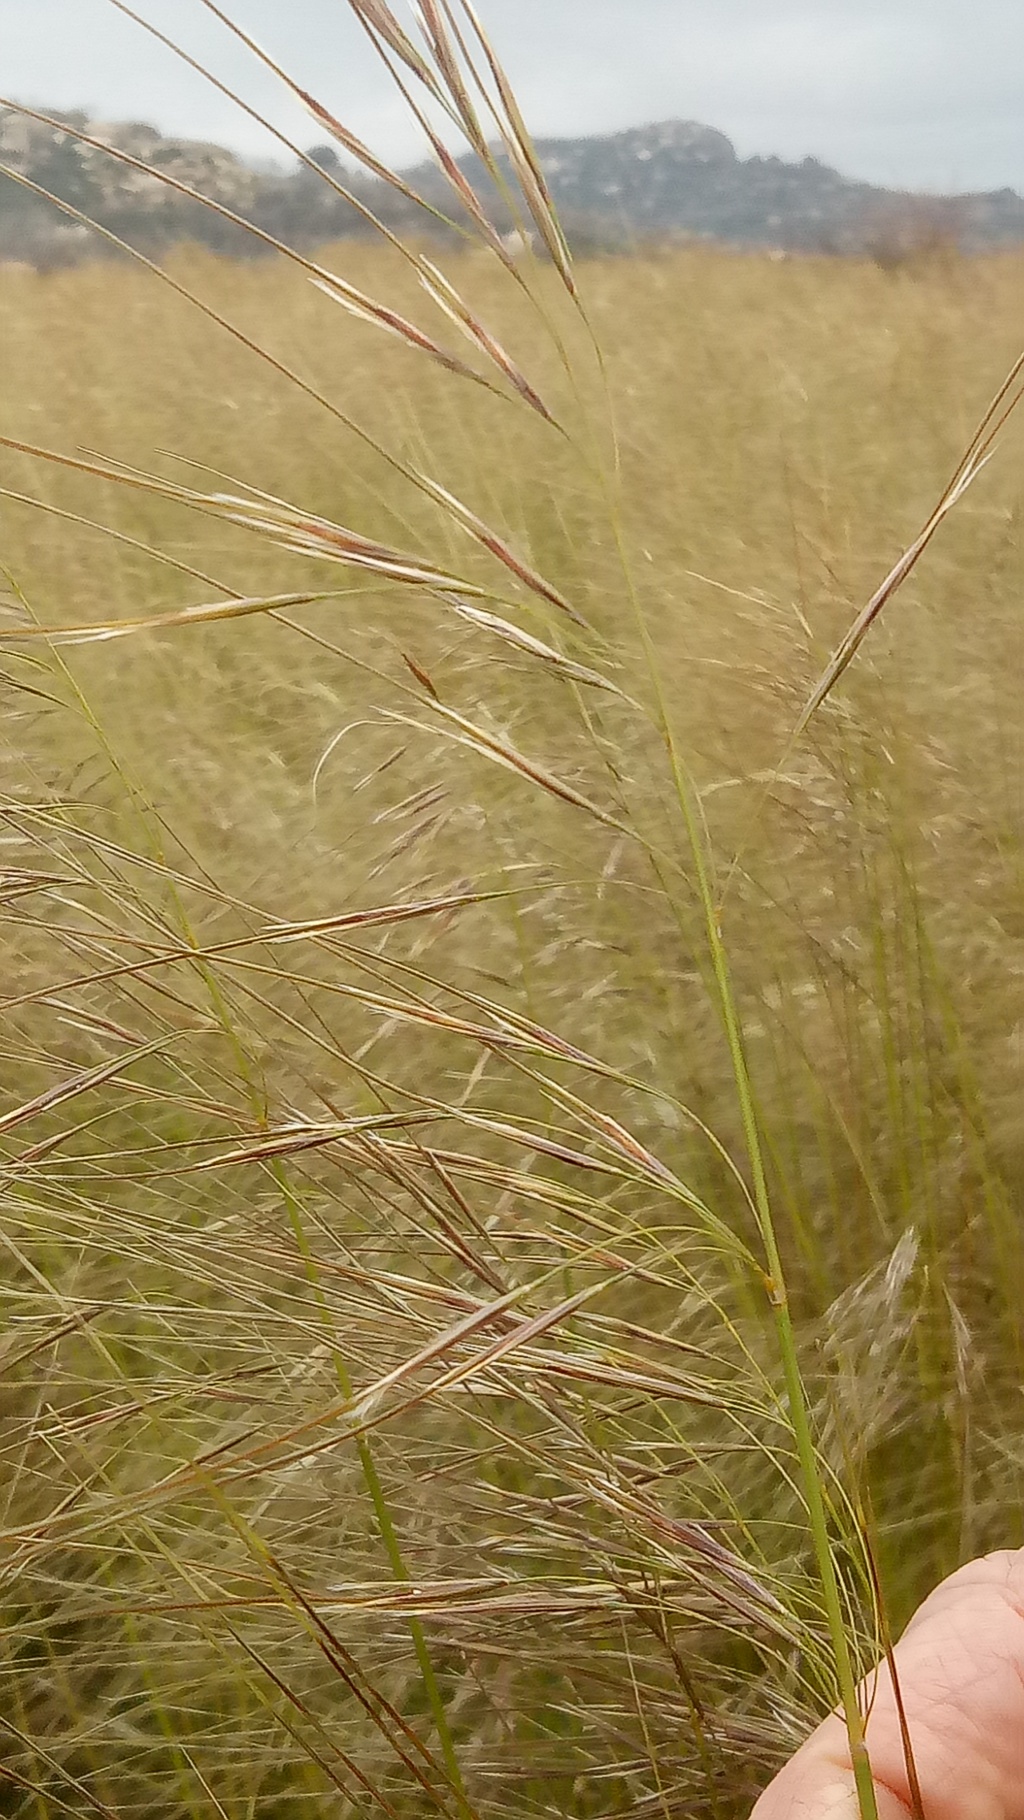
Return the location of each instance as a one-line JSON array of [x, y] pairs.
[[960, 1665]]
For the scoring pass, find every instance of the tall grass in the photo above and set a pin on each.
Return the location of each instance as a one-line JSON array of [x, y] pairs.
[[511, 1157]]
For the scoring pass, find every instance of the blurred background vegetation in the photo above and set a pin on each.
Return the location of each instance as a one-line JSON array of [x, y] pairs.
[[393, 1415]]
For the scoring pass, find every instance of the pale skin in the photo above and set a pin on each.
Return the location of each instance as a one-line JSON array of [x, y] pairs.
[[960, 1667]]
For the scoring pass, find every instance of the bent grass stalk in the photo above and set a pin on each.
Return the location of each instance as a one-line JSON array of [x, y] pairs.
[[775, 1288], [774, 1279]]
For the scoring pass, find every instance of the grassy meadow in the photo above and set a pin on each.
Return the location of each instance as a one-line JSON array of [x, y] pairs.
[[394, 1412]]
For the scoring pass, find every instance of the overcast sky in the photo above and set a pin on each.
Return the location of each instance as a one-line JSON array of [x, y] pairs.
[[911, 93]]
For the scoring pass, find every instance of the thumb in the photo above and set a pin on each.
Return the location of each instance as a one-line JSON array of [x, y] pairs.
[[960, 1666]]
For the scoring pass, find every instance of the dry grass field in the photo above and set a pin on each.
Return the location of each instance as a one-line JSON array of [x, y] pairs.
[[394, 1412]]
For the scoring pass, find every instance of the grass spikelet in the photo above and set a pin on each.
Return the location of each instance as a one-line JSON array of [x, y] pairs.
[[448, 300], [366, 310], [975, 456], [500, 751], [434, 28], [380, 22], [499, 548], [525, 161], [534, 647], [156, 622], [307, 535]]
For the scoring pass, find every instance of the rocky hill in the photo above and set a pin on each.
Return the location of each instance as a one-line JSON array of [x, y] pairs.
[[677, 180]]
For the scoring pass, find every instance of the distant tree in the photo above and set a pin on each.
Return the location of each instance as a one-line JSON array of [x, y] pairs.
[[910, 230], [58, 166], [325, 156]]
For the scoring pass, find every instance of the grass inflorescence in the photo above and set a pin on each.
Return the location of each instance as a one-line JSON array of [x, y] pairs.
[[511, 1037]]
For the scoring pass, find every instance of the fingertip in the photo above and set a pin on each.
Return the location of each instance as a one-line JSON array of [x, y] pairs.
[[824, 1794]]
